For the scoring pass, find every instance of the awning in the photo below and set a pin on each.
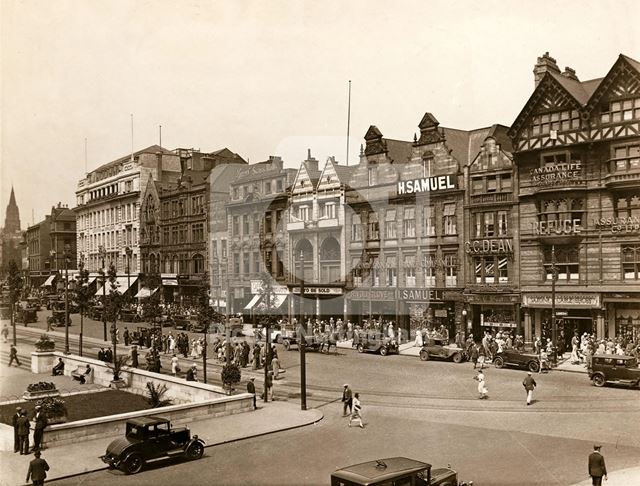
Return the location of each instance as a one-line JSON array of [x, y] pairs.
[[276, 302], [253, 302], [121, 285], [170, 282], [145, 292], [49, 281]]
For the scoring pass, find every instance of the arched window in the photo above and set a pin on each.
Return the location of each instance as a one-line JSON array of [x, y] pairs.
[[305, 249], [330, 260]]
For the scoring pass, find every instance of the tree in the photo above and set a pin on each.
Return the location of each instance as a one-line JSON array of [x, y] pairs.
[[230, 375], [112, 309], [206, 316], [82, 298], [151, 311], [155, 395], [14, 281]]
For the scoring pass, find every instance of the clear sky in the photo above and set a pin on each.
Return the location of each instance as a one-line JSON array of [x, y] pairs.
[[270, 77]]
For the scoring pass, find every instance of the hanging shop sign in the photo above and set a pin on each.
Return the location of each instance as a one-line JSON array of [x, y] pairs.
[[489, 247], [419, 295], [575, 300], [561, 227], [319, 290], [427, 184], [618, 225], [556, 174], [372, 294]]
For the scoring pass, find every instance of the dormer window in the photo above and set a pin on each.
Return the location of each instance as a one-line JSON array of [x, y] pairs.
[[427, 166], [373, 176]]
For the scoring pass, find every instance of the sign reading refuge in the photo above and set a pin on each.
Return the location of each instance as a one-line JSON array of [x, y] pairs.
[[427, 184]]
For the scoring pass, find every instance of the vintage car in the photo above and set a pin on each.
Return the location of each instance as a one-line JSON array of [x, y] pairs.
[[374, 343], [34, 302], [518, 359], [396, 471], [313, 343], [149, 439], [26, 315], [612, 368], [130, 315], [441, 349], [57, 318]]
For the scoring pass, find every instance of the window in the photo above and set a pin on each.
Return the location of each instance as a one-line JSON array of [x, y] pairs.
[[236, 193], [303, 213], [197, 232], [268, 222], [223, 245], [356, 272], [490, 223], [503, 224], [451, 269], [392, 271], [492, 184], [246, 263], [245, 224], [449, 213], [429, 221], [236, 226], [617, 111], [236, 263], [429, 269], [625, 158], [256, 262], [328, 210], [567, 263], [374, 227], [553, 212], [375, 272], [373, 176], [427, 166], [256, 223], [267, 187], [628, 206], [410, 270], [390, 223], [356, 227], [409, 222], [198, 264], [182, 210], [174, 235], [560, 120], [631, 262], [491, 270], [197, 204], [279, 185]]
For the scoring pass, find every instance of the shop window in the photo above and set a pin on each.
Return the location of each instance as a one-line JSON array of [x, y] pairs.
[[491, 270], [631, 262], [410, 270], [451, 269], [409, 222], [429, 221], [625, 158], [449, 214], [374, 227], [356, 227], [621, 110], [429, 269], [567, 264], [390, 224]]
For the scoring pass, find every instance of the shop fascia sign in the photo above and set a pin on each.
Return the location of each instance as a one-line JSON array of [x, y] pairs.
[[372, 294], [256, 288], [419, 295], [319, 290], [561, 227], [575, 300], [618, 225], [556, 174], [427, 184], [489, 247]]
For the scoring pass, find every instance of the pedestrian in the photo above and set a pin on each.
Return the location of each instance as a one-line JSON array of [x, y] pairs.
[[101, 354], [134, 356], [251, 388], [347, 400], [192, 373], [13, 355], [37, 470], [5, 333], [175, 368], [529, 384], [597, 468], [275, 366], [125, 336], [58, 369], [16, 437], [357, 411], [269, 384], [256, 357], [482, 385], [473, 351], [108, 355], [40, 420], [23, 433]]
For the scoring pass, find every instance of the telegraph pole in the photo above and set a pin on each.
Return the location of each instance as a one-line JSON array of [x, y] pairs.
[[66, 299], [554, 324], [302, 340]]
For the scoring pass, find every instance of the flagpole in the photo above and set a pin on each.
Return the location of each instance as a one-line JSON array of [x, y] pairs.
[[348, 121]]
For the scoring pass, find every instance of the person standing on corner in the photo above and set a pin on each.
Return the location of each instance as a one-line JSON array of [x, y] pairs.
[[40, 420], [597, 468], [251, 388], [347, 400], [16, 437], [23, 433], [529, 384], [37, 470]]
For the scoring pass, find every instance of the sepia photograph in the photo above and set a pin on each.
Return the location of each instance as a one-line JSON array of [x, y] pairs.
[[341, 243]]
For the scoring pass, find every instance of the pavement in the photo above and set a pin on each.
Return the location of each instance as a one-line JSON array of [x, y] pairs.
[[624, 477]]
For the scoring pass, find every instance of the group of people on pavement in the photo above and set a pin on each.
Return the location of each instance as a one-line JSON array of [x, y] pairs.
[[22, 427]]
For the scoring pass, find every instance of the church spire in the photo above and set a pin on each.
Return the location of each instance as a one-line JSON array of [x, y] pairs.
[[12, 215]]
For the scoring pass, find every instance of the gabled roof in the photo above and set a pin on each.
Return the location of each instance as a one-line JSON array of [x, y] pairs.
[[398, 151], [312, 172], [605, 83], [344, 171]]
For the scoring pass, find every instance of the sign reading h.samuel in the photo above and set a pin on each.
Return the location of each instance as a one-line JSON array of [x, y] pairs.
[[427, 184]]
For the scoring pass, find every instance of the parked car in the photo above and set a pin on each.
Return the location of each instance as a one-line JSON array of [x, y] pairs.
[[148, 439], [441, 349], [519, 359], [57, 318], [26, 315], [396, 471], [611, 368], [376, 344]]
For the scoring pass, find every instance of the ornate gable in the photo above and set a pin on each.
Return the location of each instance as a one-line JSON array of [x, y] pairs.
[[302, 182], [329, 178], [622, 80], [375, 144], [491, 157], [429, 132]]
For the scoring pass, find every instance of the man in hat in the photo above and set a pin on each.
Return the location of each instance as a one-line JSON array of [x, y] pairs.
[[13, 356], [347, 400], [37, 470], [529, 384], [58, 369], [192, 373], [597, 468], [134, 356], [23, 433], [40, 420], [16, 439], [251, 388]]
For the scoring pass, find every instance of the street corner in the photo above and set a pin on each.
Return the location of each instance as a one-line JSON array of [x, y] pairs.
[[623, 477]]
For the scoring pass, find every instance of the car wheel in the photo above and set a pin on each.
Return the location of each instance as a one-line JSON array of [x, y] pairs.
[[287, 345], [383, 351], [598, 380], [498, 363], [195, 451], [457, 358], [424, 356], [133, 464], [360, 348], [533, 366]]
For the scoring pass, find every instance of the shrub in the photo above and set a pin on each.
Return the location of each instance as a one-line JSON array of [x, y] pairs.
[[41, 386], [53, 407], [45, 343], [155, 394], [230, 375]]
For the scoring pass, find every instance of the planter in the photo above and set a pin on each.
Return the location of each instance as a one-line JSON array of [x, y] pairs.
[[42, 361], [117, 384], [62, 419]]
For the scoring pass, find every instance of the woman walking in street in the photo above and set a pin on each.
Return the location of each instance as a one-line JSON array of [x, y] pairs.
[[482, 385], [357, 411]]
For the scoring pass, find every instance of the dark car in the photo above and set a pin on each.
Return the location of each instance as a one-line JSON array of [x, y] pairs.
[[57, 318], [441, 349], [395, 471], [148, 439], [518, 359], [26, 315], [611, 368], [374, 343]]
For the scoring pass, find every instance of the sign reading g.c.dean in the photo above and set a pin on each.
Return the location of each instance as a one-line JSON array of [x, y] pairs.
[[427, 184]]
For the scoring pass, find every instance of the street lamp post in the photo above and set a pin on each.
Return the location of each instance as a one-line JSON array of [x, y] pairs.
[[554, 324], [102, 254], [302, 340], [67, 256]]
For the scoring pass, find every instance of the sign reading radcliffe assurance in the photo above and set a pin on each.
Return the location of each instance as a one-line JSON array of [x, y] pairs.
[[489, 247], [427, 184], [556, 174], [571, 301]]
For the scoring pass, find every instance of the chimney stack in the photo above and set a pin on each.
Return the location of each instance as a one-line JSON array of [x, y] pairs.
[[545, 64], [159, 166], [570, 73]]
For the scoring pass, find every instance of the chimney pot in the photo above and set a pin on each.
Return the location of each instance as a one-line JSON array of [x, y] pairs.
[[570, 73], [545, 64]]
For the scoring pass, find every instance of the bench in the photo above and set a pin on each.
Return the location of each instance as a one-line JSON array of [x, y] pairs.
[[80, 374]]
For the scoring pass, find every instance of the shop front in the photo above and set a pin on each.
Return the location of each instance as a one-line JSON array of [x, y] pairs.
[[189, 289], [322, 302], [623, 315], [430, 308], [493, 312], [575, 312], [366, 303]]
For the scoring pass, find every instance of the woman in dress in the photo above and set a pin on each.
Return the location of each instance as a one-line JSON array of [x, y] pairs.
[[482, 385], [357, 411], [174, 365]]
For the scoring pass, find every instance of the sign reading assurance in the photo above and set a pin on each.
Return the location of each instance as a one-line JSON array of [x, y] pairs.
[[427, 184], [550, 175]]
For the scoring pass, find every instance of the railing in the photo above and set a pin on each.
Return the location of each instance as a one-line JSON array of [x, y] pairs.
[[623, 178]]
